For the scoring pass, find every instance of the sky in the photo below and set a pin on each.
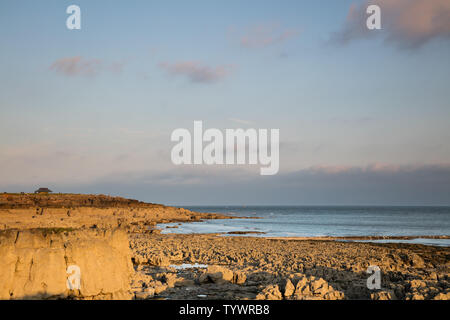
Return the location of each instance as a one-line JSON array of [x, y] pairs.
[[363, 115]]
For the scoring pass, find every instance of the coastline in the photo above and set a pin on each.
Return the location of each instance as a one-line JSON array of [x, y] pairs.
[[49, 232], [340, 222], [262, 235], [168, 228]]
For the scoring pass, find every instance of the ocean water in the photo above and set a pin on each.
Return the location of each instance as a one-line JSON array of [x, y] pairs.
[[303, 221]]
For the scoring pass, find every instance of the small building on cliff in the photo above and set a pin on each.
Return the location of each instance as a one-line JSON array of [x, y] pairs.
[[43, 190]]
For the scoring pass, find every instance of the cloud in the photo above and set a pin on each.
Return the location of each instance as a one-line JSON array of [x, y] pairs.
[[264, 35], [405, 23], [74, 66], [377, 184], [241, 121], [329, 185], [375, 168], [196, 71], [79, 66]]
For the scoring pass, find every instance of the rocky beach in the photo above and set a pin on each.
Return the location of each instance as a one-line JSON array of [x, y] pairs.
[[122, 254]]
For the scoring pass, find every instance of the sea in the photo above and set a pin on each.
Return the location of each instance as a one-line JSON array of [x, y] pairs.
[[334, 221]]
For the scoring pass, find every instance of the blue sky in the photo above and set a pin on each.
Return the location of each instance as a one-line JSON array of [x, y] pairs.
[[377, 104]]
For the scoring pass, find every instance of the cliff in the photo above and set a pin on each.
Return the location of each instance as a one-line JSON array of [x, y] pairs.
[[34, 264], [61, 200], [42, 235]]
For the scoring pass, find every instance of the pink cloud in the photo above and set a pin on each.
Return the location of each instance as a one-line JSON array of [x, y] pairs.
[[197, 72], [74, 66], [330, 169], [374, 168], [265, 35], [407, 23], [79, 66]]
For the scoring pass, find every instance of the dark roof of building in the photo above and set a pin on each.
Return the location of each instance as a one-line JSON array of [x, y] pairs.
[[43, 190]]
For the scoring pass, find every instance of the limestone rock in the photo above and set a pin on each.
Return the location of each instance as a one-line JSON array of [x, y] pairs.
[[239, 277], [288, 289], [159, 260], [311, 288], [416, 261], [442, 296], [216, 274], [170, 279], [159, 287], [383, 295], [416, 296], [34, 264], [144, 295], [271, 292], [184, 283]]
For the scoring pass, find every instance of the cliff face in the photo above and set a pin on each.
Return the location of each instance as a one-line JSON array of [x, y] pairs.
[[34, 264], [134, 219]]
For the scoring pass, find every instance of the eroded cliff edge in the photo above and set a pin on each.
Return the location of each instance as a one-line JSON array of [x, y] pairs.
[[77, 211]]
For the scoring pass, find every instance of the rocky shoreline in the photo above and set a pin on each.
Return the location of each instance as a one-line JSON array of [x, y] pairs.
[[261, 268], [122, 255]]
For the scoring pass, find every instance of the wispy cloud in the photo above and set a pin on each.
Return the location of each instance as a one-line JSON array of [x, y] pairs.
[[265, 35], [74, 66], [405, 23], [241, 121], [80, 66], [196, 71], [375, 168]]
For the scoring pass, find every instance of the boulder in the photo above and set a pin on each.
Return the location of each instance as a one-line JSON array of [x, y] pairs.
[[311, 288], [271, 292], [144, 295], [383, 295], [442, 296], [289, 289], [216, 274]]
